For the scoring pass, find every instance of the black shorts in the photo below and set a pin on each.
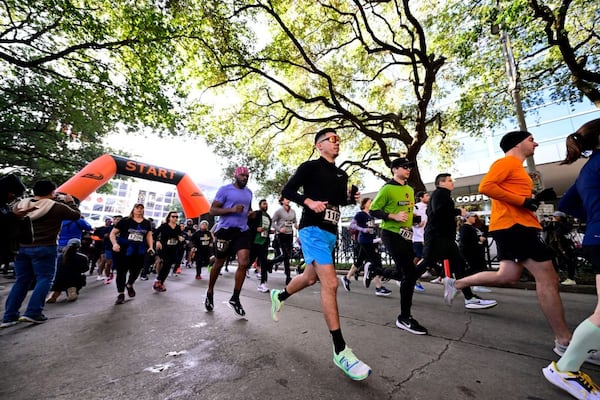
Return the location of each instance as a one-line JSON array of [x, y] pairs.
[[228, 241], [519, 243]]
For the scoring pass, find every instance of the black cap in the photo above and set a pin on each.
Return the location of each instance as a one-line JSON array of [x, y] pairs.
[[511, 139], [402, 162]]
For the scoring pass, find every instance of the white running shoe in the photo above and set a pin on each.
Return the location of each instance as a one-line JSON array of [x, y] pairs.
[[476, 303], [577, 384], [262, 288]]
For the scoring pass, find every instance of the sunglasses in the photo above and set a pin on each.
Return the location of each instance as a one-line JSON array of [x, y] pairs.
[[173, 216], [331, 139], [406, 167]]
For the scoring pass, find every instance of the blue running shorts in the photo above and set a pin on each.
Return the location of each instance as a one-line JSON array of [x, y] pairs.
[[317, 245]]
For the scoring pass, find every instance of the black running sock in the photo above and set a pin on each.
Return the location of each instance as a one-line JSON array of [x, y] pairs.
[[338, 340], [236, 295], [283, 295]]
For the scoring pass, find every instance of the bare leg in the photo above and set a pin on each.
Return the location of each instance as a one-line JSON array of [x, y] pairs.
[[329, 284], [243, 257], [546, 283]]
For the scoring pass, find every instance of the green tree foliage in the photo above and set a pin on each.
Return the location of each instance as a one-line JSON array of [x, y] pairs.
[[74, 70], [556, 46], [364, 68]]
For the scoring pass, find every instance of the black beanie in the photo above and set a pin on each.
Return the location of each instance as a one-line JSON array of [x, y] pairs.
[[511, 139]]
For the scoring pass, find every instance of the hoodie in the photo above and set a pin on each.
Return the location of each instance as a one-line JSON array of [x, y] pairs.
[[46, 219]]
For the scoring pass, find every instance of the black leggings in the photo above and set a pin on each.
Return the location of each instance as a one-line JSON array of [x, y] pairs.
[[132, 264], [401, 251], [168, 257], [440, 249]]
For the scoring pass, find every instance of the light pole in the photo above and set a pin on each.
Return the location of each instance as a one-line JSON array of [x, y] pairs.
[[514, 85]]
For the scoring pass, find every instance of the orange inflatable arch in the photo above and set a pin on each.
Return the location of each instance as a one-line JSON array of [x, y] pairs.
[[102, 169]]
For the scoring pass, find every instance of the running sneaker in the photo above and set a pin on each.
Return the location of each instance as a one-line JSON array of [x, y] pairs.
[[7, 324], [560, 349], [208, 303], [345, 283], [143, 278], [237, 308], [450, 291], [36, 319], [577, 384], [159, 286], [411, 325], [419, 287], [367, 278], [351, 365], [276, 305], [198, 277], [568, 282], [262, 288], [382, 291], [477, 303], [120, 299], [437, 281], [109, 279], [130, 291], [100, 278], [426, 275]]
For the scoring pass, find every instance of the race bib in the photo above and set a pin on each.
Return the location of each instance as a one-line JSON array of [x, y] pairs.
[[205, 242], [172, 242], [332, 215], [135, 237], [222, 245], [406, 234]]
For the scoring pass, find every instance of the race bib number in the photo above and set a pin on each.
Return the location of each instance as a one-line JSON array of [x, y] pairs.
[[135, 237], [222, 245], [406, 234], [332, 215], [205, 242], [172, 242]]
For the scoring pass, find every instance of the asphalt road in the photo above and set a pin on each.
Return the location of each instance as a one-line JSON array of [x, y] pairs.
[[165, 346]]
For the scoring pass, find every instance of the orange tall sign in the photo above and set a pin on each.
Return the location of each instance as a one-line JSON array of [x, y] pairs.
[[102, 169]]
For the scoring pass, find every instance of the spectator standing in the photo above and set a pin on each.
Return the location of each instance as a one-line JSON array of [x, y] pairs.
[[472, 243], [11, 188], [37, 255]]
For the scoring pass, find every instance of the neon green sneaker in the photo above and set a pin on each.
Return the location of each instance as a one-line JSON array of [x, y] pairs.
[[276, 304], [352, 366]]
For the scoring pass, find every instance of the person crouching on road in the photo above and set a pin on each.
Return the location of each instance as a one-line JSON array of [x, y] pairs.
[[70, 268]]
